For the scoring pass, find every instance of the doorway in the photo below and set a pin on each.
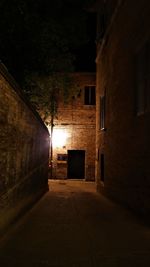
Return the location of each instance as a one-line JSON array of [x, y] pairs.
[[76, 164]]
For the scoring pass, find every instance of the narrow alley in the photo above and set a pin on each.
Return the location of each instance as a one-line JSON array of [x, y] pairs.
[[74, 226]]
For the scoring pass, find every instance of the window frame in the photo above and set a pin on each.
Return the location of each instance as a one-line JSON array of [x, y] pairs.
[[102, 112], [90, 95]]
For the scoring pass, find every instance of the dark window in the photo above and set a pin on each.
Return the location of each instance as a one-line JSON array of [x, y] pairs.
[[62, 157], [102, 112], [104, 15], [89, 95], [102, 167], [100, 26], [101, 22], [143, 79]]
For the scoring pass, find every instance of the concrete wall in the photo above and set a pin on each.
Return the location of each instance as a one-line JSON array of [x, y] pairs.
[[125, 141], [78, 121], [24, 145]]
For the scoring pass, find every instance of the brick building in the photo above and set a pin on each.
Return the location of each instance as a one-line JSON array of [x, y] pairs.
[[74, 132], [123, 102]]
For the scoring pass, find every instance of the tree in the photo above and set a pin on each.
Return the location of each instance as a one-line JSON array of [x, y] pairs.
[[39, 40], [44, 93], [42, 35]]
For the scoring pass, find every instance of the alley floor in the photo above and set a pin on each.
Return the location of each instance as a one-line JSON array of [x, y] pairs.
[[73, 226]]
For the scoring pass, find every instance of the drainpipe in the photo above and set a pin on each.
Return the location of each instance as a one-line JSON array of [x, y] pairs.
[[51, 147]]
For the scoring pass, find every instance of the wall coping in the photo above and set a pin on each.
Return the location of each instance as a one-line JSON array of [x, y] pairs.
[[80, 73], [9, 78]]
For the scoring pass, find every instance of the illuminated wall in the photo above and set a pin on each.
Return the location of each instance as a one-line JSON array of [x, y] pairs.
[[75, 130]]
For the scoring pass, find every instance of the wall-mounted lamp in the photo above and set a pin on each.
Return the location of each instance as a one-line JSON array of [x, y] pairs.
[[59, 137]]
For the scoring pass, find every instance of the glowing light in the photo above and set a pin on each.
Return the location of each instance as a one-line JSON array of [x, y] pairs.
[[59, 137]]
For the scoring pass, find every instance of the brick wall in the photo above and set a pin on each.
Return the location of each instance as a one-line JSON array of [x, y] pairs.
[[24, 145], [78, 121], [125, 143]]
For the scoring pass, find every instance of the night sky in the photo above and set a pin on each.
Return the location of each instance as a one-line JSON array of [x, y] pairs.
[[86, 54], [46, 36]]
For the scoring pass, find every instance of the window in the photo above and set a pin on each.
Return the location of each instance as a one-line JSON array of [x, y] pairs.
[[102, 112], [101, 22], [89, 95], [61, 157], [143, 79], [102, 167]]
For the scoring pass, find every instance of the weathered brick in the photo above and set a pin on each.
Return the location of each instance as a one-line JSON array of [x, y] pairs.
[[24, 145], [78, 120]]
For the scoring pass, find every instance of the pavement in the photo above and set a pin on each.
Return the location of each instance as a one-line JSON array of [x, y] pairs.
[[73, 226]]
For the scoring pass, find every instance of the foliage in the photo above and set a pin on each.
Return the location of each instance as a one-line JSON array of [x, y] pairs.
[[41, 35], [39, 40], [45, 92]]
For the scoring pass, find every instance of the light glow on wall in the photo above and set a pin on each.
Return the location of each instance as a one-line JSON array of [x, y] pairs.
[[59, 138]]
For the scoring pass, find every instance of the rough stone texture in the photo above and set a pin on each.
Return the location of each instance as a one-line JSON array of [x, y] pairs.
[[24, 145], [78, 121], [125, 143]]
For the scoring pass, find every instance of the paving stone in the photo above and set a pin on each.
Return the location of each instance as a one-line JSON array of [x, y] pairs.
[[73, 226]]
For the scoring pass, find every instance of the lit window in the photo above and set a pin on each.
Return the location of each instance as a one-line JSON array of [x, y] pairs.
[[89, 95]]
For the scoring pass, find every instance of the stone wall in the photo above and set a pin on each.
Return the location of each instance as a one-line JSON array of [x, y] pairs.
[[125, 141], [78, 121], [24, 145]]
